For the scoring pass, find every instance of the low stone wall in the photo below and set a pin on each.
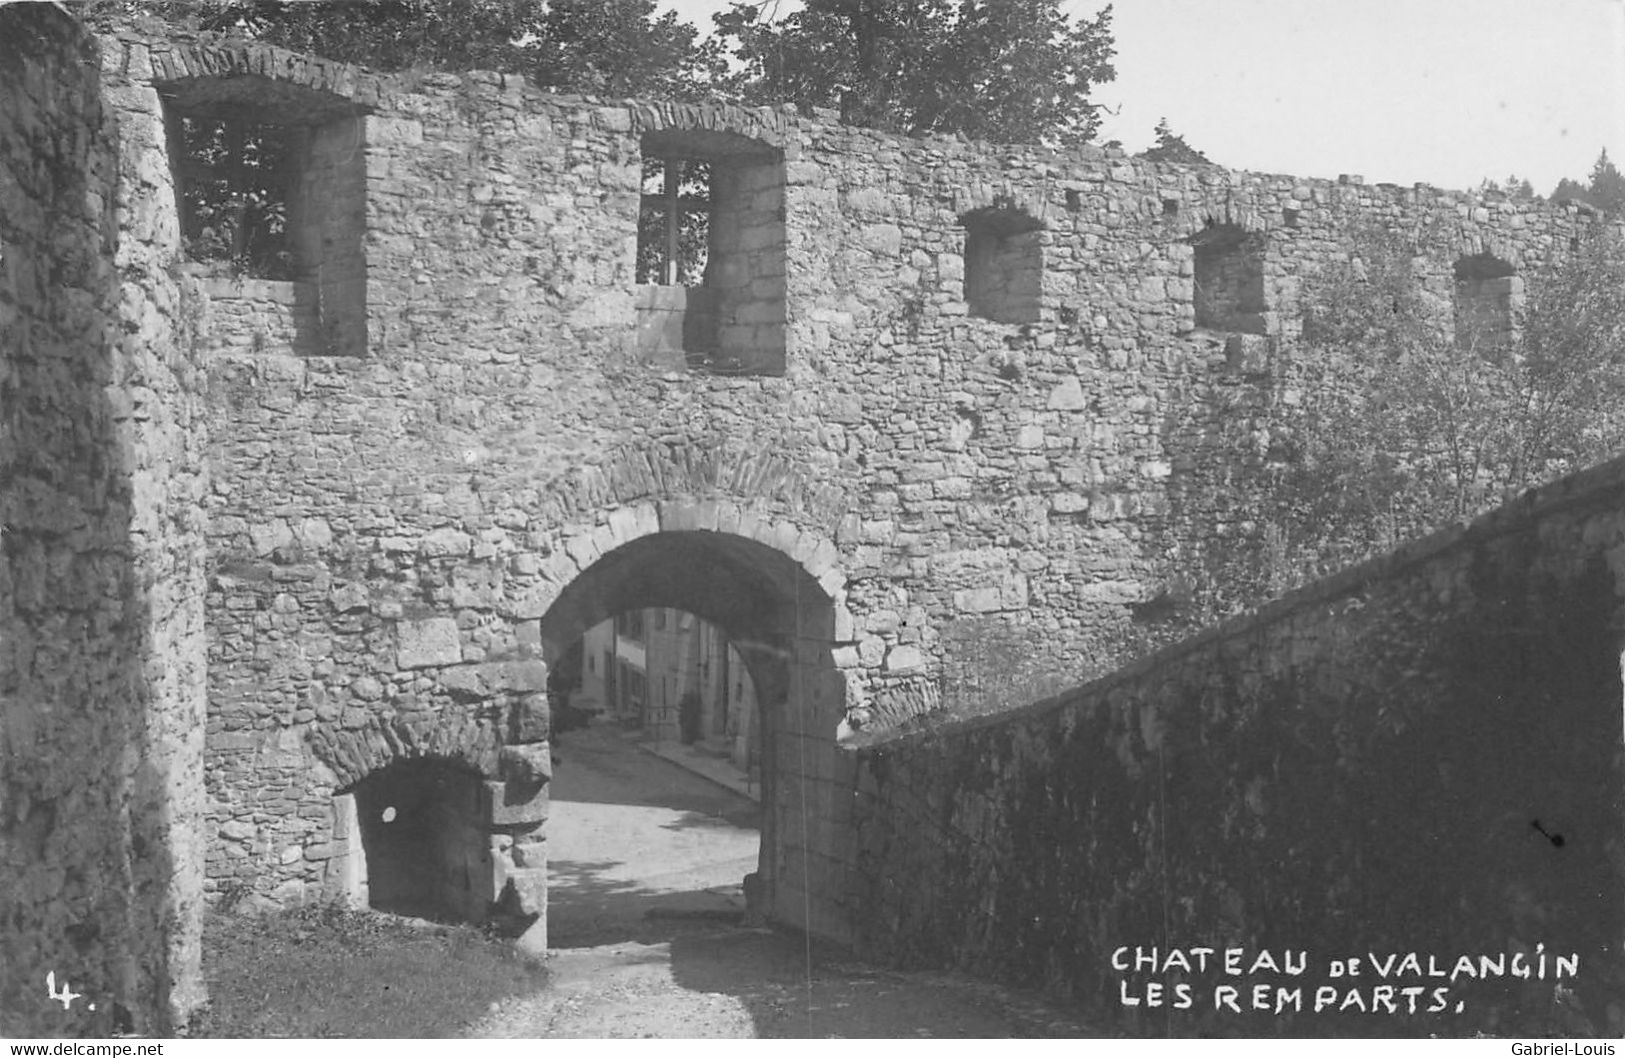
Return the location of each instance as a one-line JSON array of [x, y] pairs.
[[101, 620], [248, 316], [1419, 755]]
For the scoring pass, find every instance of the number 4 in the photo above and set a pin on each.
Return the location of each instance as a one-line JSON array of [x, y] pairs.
[[65, 997]]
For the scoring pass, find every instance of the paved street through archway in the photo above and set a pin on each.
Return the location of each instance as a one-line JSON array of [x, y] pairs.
[[632, 835], [647, 921]]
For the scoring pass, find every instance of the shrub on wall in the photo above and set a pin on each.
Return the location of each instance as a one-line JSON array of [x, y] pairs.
[[1383, 424]]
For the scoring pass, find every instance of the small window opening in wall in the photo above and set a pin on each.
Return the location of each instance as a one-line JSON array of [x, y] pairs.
[[1074, 201], [1170, 207], [630, 625], [710, 253], [1004, 265], [1489, 295], [270, 192], [1229, 287]]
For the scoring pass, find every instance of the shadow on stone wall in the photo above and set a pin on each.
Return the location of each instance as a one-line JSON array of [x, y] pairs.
[[87, 890], [1419, 755]]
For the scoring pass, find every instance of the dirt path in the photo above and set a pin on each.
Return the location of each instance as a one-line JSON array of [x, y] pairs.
[[645, 906]]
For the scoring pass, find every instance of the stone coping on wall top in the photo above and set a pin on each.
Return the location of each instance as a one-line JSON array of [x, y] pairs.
[[153, 50], [171, 54], [1596, 486]]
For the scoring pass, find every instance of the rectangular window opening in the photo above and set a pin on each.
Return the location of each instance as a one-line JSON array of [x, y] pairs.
[[1488, 299], [629, 625], [1004, 265], [1229, 288], [710, 256], [271, 214]]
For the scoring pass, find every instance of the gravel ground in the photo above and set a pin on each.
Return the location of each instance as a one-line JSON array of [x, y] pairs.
[[711, 980]]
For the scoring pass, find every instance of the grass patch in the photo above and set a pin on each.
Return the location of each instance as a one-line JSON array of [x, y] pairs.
[[329, 971]]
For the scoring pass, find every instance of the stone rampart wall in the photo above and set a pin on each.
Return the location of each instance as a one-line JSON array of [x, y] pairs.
[[101, 615], [1421, 754], [981, 502]]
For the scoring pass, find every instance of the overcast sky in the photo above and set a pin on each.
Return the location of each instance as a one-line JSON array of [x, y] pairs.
[[1447, 92]]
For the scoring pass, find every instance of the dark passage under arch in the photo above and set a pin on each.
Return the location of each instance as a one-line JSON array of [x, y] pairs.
[[426, 849]]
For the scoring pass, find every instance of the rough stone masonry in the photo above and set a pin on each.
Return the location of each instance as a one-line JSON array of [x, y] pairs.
[[101, 560], [928, 412], [1420, 755]]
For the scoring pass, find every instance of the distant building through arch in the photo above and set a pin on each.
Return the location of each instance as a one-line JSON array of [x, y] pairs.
[[781, 622]]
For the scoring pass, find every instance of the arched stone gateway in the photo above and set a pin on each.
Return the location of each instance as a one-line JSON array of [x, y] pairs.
[[774, 589], [781, 622], [434, 780]]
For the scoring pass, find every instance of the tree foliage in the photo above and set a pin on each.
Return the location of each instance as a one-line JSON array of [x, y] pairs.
[[1171, 147], [1568, 190], [1605, 189], [1001, 70], [622, 48], [608, 47], [234, 196], [1514, 187], [1006, 70], [691, 227], [1387, 424]]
